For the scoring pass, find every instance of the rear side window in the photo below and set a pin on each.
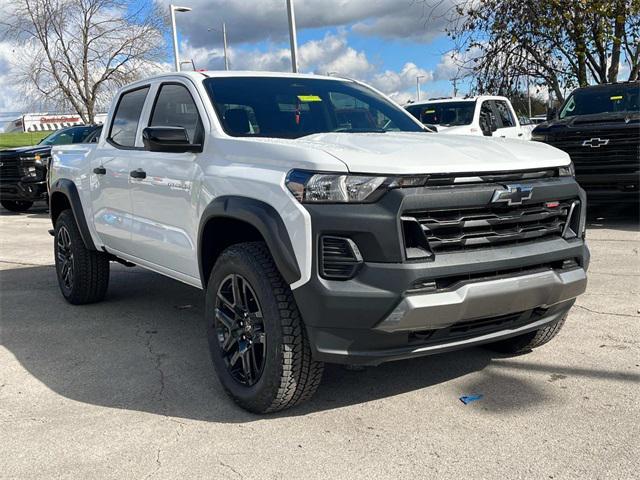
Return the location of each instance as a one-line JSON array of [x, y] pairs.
[[175, 107], [126, 117], [505, 114]]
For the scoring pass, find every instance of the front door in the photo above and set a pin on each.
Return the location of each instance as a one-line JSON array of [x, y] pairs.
[[165, 220], [507, 125], [110, 186]]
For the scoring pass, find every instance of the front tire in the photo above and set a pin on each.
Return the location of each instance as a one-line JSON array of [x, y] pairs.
[[83, 274], [258, 342], [528, 341], [16, 205]]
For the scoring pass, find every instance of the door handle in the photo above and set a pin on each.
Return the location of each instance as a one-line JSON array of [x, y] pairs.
[[100, 170], [520, 134], [139, 174]]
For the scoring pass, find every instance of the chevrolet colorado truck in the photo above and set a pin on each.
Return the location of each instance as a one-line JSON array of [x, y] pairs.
[[599, 127], [317, 233], [23, 170]]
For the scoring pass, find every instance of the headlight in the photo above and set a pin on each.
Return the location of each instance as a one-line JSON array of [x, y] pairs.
[[537, 137], [312, 187], [568, 171]]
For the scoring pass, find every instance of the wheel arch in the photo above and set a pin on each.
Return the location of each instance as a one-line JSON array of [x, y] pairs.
[[64, 195], [230, 220]]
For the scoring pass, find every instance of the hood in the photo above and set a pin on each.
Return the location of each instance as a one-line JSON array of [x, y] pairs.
[[33, 149], [621, 120], [414, 153]]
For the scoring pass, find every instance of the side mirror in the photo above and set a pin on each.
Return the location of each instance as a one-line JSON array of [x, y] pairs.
[[168, 139], [551, 113]]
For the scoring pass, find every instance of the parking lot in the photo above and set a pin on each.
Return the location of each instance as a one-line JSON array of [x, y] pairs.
[[125, 388]]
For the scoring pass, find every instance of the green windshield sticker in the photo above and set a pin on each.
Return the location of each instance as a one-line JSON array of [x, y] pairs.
[[309, 98], [429, 111], [617, 97]]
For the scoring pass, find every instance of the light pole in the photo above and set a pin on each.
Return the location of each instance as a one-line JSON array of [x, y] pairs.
[[293, 36], [418, 85], [173, 9], [224, 43]]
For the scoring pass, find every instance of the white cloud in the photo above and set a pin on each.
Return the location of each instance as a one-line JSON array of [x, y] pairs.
[[266, 20]]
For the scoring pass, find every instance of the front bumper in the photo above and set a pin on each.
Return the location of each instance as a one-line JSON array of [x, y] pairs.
[[477, 295], [26, 191], [611, 188]]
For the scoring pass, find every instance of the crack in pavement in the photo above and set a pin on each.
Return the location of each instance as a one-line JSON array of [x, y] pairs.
[[607, 313], [230, 467]]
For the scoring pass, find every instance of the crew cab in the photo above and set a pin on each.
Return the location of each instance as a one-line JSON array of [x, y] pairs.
[[23, 170], [599, 127], [317, 233], [489, 116]]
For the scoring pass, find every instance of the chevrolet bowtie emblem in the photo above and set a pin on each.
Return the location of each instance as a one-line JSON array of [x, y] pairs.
[[595, 142], [512, 194]]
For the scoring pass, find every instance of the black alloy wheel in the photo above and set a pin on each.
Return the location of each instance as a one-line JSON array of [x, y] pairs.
[[65, 257], [240, 329]]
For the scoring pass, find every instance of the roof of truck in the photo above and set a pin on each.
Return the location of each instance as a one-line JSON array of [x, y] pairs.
[[457, 99], [248, 73]]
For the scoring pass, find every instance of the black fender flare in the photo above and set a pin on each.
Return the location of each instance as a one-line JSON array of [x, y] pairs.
[[69, 190], [265, 219]]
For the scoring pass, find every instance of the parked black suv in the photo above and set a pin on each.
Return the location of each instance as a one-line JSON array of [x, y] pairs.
[[599, 127], [23, 170]]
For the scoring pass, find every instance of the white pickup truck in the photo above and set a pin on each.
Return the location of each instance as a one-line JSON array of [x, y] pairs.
[[324, 223], [485, 115]]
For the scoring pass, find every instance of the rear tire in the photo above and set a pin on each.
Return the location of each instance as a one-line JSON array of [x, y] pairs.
[[16, 205], [83, 274], [270, 323], [528, 341]]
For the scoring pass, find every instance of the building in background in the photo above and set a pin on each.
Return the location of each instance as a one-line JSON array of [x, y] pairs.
[[41, 122]]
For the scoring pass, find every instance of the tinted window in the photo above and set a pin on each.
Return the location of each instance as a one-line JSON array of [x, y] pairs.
[[126, 118], [295, 107], [505, 114], [68, 135], [488, 120], [612, 99], [175, 107]]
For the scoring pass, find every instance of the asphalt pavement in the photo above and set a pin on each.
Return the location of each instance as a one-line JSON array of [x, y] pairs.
[[125, 388]]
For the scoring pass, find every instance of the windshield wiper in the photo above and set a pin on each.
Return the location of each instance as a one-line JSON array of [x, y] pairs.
[[360, 130]]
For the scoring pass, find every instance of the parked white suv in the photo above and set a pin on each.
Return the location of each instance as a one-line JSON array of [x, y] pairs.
[[483, 115], [324, 223]]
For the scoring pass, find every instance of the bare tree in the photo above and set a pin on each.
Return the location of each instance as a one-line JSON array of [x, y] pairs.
[[558, 43], [77, 52]]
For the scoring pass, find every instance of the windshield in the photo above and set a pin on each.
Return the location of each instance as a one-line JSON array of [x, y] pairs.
[[295, 107], [67, 136], [623, 98], [448, 114]]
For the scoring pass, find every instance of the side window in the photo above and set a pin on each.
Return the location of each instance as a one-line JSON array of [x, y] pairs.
[[126, 117], [175, 107], [487, 118], [505, 114]]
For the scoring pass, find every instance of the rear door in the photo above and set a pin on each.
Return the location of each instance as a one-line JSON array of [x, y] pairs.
[[110, 184], [164, 202]]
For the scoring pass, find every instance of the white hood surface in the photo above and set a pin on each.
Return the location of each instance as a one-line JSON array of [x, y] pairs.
[[416, 153]]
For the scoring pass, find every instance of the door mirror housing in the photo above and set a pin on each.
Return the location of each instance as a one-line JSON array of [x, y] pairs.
[[168, 139]]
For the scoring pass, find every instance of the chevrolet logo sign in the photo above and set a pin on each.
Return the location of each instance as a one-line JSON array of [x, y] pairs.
[[512, 194], [595, 142]]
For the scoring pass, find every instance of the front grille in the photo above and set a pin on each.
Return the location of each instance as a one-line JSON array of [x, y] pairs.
[[340, 258], [9, 167], [483, 227], [621, 155]]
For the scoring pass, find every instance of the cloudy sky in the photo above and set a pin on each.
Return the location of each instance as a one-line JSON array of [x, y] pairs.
[[387, 43]]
